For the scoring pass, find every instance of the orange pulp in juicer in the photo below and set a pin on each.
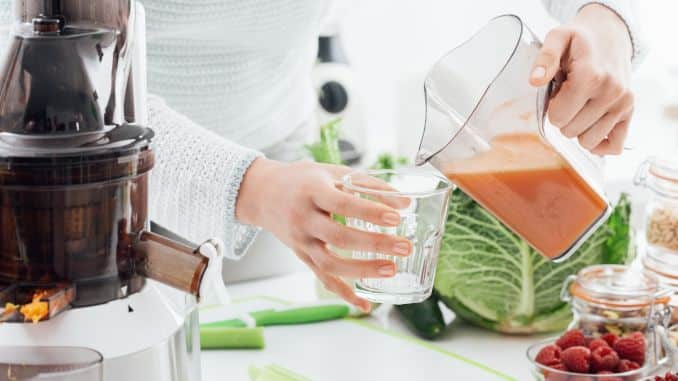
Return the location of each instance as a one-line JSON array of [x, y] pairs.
[[532, 189], [36, 310]]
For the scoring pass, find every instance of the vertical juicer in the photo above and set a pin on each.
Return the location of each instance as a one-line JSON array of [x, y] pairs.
[[84, 283]]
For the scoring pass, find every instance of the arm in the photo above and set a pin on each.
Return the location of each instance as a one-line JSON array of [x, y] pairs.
[[204, 185], [590, 56], [195, 183]]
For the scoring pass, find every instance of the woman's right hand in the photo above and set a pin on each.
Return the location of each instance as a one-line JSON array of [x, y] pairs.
[[295, 202]]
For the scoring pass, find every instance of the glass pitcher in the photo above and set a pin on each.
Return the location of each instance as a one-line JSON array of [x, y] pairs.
[[486, 131]]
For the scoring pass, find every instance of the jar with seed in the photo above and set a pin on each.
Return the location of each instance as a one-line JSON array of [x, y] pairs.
[[620, 300], [660, 177]]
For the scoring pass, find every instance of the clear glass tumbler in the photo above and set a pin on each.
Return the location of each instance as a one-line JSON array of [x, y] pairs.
[[421, 198]]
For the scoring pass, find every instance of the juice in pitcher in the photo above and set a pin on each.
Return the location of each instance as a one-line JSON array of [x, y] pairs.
[[530, 187]]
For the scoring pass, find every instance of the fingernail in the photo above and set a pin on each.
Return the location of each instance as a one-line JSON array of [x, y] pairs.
[[538, 72], [387, 270], [402, 248], [391, 218]]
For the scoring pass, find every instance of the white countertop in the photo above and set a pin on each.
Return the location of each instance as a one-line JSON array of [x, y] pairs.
[[504, 353]]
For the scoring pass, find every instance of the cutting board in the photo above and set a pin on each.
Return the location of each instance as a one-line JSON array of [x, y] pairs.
[[339, 350]]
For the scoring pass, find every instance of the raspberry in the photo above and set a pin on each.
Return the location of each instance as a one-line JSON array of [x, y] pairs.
[[610, 337], [595, 343], [571, 338], [549, 355], [604, 358], [555, 376], [577, 359], [627, 366], [631, 348]]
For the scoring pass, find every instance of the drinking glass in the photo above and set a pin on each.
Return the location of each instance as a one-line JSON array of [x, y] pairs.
[[421, 198]]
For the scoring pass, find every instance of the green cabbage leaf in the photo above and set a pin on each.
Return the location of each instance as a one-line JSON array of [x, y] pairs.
[[492, 278]]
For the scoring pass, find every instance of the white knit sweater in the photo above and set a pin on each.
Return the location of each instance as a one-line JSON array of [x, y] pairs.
[[240, 71], [238, 67]]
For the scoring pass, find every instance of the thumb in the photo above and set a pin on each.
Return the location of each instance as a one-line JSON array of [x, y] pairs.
[[547, 63]]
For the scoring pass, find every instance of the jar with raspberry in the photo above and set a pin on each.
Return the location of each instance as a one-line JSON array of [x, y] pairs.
[[614, 301]]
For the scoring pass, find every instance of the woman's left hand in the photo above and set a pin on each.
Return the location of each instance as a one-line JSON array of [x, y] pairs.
[[591, 58]]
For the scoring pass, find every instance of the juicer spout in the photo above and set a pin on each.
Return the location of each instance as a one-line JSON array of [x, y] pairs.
[[175, 264]]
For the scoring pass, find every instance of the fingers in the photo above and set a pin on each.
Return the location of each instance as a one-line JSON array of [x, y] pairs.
[[582, 83], [599, 131], [602, 128], [343, 290], [547, 63], [614, 144], [353, 239], [377, 189], [344, 204], [330, 263], [594, 109]]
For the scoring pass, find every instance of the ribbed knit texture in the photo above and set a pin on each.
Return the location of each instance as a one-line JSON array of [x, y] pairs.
[[195, 183], [239, 67]]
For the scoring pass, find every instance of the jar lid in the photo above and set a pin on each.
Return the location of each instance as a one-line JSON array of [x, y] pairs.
[[660, 175], [618, 286], [663, 265]]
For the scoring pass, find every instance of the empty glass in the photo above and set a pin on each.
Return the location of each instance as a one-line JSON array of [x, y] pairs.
[[50, 363], [422, 199]]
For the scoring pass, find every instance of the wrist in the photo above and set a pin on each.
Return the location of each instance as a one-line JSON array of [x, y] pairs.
[[252, 195], [607, 27]]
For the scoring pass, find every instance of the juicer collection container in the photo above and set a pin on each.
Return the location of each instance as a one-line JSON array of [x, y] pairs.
[[485, 129]]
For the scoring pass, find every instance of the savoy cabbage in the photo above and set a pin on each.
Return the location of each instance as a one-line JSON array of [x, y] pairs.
[[492, 278]]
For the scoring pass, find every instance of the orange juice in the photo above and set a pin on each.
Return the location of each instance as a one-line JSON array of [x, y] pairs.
[[532, 189]]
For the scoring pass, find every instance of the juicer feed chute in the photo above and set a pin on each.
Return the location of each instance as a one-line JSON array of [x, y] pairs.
[[74, 170]]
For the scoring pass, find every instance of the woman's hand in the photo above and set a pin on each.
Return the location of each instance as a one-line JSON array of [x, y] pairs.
[[592, 58], [295, 202]]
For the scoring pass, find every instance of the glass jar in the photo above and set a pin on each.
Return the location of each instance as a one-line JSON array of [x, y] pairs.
[[621, 300], [660, 176]]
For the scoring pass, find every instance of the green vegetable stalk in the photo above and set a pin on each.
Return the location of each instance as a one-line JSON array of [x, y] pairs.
[[327, 151], [492, 278], [274, 373]]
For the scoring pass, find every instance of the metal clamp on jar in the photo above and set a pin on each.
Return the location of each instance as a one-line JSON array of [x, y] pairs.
[[660, 234], [617, 299]]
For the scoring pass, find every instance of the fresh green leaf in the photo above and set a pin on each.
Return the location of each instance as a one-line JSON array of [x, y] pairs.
[[494, 279], [326, 150], [388, 161], [618, 245]]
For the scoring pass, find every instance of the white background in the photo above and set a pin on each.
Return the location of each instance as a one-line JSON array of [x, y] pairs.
[[391, 44]]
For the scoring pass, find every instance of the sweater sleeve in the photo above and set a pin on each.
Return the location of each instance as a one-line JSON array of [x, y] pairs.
[[565, 10], [195, 183]]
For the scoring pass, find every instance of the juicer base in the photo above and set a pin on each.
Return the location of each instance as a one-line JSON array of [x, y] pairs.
[[151, 335]]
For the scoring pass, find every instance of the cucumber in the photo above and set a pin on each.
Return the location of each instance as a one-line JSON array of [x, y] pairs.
[[424, 319]]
